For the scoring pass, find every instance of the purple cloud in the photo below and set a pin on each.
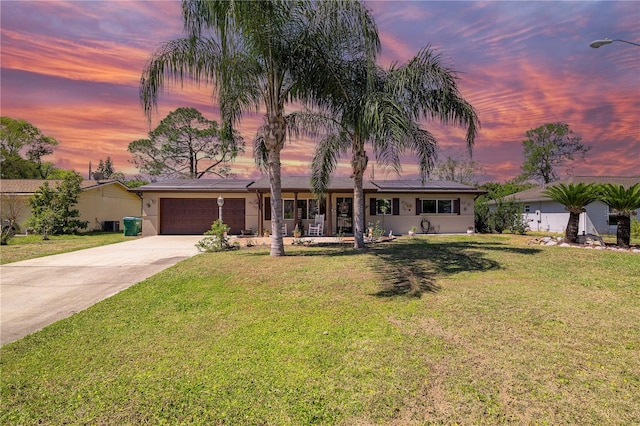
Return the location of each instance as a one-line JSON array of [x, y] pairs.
[[72, 68]]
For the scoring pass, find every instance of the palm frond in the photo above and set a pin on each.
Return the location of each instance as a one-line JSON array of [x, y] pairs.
[[311, 123], [260, 153], [323, 74], [450, 108], [200, 61], [424, 145], [427, 88], [181, 60], [623, 201], [574, 197], [325, 160]]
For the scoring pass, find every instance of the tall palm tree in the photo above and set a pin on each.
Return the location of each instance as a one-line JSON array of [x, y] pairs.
[[623, 202], [574, 198], [259, 55], [380, 107]]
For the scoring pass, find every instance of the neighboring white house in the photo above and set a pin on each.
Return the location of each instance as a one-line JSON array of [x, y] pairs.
[[543, 214]]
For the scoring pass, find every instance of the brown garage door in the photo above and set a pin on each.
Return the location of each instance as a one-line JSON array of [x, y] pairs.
[[193, 216]]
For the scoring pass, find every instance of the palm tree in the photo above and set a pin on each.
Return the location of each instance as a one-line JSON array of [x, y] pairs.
[[623, 202], [574, 198], [259, 55], [380, 107]]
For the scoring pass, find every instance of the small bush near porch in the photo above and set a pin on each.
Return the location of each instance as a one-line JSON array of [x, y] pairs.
[[468, 329]]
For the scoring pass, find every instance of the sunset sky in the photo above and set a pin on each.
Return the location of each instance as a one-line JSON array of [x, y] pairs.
[[72, 69]]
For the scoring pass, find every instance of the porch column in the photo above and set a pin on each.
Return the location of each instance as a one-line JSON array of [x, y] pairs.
[[329, 214], [260, 213]]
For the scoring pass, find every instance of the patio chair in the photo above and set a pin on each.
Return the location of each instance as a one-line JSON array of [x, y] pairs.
[[316, 229]]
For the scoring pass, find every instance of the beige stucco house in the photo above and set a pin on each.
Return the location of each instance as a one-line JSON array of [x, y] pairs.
[[101, 203], [190, 206]]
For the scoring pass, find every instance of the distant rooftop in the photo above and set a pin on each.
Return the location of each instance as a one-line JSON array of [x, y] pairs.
[[535, 194], [29, 186]]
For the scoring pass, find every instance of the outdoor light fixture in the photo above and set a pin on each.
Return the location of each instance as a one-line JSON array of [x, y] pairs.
[[220, 204], [597, 43]]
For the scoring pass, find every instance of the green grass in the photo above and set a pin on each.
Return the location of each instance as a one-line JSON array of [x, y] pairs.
[[23, 247], [473, 330], [613, 240]]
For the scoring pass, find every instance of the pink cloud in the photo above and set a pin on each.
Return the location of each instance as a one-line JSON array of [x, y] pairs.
[[73, 69]]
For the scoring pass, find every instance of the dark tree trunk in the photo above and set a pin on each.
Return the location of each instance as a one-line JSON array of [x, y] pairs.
[[571, 234], [623, 234]]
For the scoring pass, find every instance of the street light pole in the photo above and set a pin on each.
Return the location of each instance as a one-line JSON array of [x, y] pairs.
[[220, 204], [597, 43]]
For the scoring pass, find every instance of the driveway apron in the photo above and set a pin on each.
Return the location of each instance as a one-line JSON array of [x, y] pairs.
[[37, 292]]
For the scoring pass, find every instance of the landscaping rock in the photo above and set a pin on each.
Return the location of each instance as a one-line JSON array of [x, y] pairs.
[[588, 241]]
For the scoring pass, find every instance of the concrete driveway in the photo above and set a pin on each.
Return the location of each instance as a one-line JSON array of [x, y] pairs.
[[35, 293]]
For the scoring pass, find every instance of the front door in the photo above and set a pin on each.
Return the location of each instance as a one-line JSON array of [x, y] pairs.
[[344, 215]]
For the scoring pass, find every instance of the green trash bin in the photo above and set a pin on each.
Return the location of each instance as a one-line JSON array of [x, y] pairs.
[[132, 226]]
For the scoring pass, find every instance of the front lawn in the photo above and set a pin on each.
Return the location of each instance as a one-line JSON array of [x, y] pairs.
[[23, 247], [464, 329]]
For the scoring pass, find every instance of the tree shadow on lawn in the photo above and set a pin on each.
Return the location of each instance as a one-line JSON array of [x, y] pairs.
[[411, 268]]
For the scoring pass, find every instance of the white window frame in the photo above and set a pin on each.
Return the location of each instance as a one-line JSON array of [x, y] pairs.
[[311, 208], [437, 205]]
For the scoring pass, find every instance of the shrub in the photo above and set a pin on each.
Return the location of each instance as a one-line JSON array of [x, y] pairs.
[[7, 234], [482, 216], [52, 209], [635, 228], [216, 238], [376, 230]]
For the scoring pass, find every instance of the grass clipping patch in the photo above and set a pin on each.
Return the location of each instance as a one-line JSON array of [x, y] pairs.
[[500, 333]]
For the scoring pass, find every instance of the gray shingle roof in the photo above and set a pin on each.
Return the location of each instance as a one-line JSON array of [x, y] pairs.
[[197, 185], [303, 183], [535, 194], [29, 186], [427, 186]]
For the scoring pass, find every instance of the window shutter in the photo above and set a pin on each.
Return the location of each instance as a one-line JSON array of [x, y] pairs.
[[372, 207], [418, 206], [267, 208], [395, 210], [456, 206]]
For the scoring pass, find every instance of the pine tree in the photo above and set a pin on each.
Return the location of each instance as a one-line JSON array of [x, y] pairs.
[[52, 210]]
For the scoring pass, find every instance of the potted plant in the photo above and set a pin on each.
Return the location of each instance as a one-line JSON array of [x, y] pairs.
[[297, 233], [470, 229], [412, 231]]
